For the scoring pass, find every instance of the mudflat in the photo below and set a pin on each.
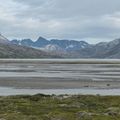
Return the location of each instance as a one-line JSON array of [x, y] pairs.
[[59, 74], [55, 83]]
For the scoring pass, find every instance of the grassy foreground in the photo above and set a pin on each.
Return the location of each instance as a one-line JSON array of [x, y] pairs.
[[45, 107]]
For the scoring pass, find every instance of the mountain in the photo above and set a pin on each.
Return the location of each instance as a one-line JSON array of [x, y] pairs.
[[110, 49], [52, 48], [15, 51], [42, 43], [10, 50], [70, 45], [101, 50], [73, 48]]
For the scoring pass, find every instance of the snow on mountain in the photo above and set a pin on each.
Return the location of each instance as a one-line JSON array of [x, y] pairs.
[[53, 45], [52, 48]]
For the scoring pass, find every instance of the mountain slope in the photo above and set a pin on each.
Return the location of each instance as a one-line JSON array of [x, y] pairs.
[[101, 50], [112, 49], [4, 39], [15, 51], [10, 50]]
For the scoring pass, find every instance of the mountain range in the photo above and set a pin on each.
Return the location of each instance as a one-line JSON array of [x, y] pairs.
[[74, 48], [9, 50], [54, 48], [53, 44]]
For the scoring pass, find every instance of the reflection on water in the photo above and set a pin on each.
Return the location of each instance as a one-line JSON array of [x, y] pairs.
[[5, 91]]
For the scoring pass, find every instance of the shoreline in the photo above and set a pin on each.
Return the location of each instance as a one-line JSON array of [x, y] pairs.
[[9, 91]]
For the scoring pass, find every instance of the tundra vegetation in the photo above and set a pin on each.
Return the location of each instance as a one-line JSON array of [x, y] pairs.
[[62, 107]]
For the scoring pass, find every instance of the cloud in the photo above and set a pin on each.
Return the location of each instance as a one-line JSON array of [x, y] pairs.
[[63, 19]]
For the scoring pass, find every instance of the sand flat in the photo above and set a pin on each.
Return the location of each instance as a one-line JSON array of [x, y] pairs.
[[60, 73]]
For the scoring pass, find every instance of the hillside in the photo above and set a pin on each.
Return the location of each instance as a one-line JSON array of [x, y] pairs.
[[101, 50], [15, 51], [9, 50]]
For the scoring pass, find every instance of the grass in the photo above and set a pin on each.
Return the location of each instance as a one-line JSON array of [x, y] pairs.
[[64, 107]]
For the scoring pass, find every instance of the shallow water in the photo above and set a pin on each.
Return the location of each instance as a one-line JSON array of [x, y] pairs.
[[5, 91]]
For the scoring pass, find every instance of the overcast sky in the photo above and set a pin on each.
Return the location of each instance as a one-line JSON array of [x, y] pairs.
[[90, 20]]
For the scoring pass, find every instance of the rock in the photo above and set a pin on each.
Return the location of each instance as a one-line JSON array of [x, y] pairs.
[[113, 111], [85, 115]]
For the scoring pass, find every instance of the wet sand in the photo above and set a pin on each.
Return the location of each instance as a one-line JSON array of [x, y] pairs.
[[55, 83], [60, 74]]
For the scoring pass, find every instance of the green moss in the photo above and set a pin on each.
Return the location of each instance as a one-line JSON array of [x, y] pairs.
[[45, 107]]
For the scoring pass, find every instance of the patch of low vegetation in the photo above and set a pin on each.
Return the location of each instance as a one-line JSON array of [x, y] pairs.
[[63, 107]]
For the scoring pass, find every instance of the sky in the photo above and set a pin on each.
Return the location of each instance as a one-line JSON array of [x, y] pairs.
[[90, 20]]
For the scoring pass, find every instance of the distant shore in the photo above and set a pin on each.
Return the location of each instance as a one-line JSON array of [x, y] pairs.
[[62, 61]]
